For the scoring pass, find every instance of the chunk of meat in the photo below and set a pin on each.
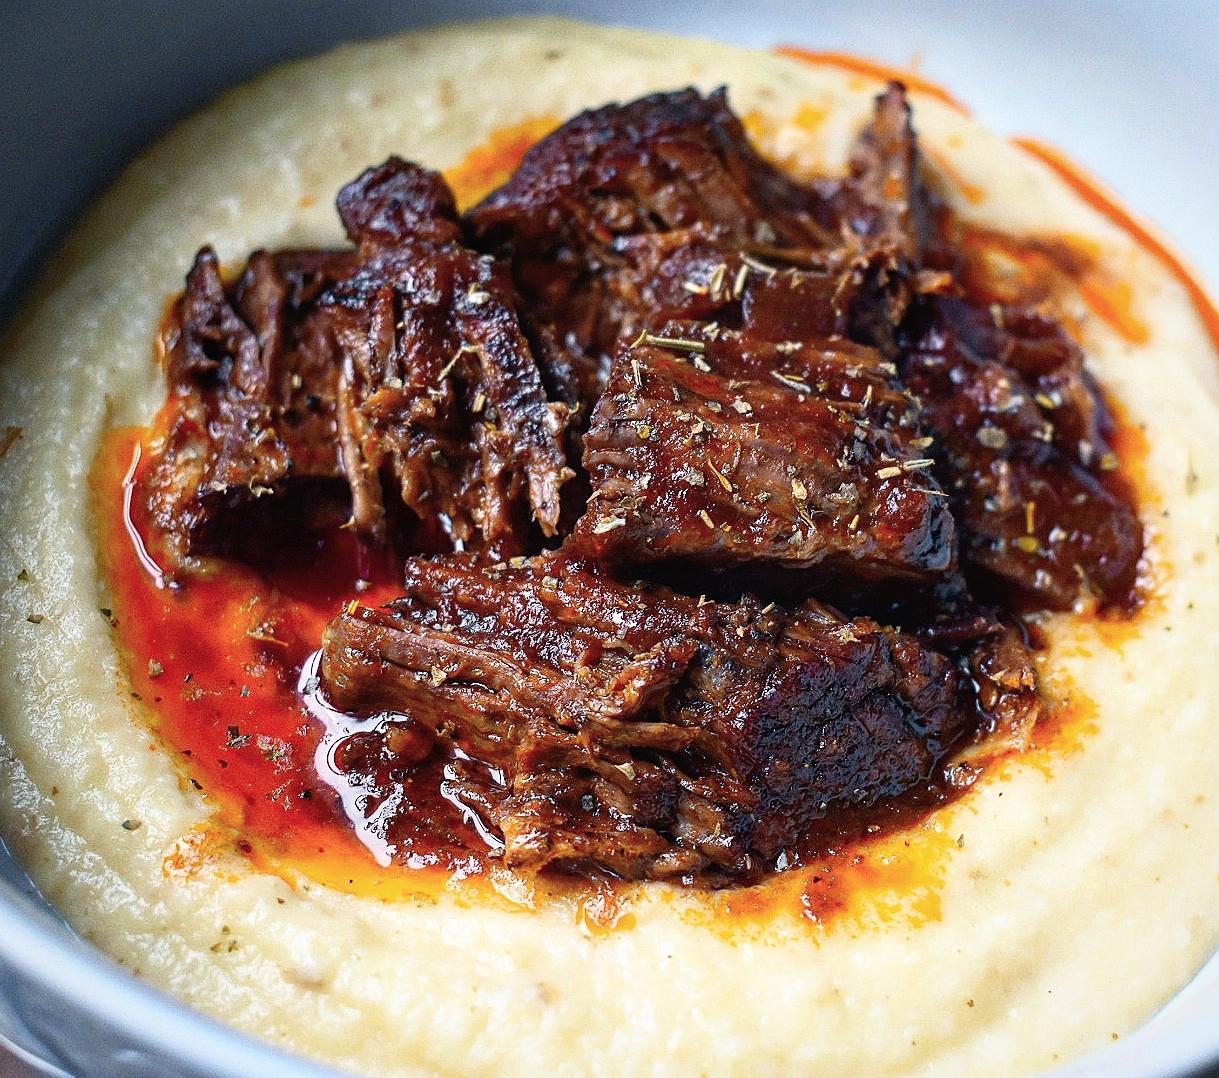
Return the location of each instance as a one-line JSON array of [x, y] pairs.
[[248, 452], [884, 200], [332, 384], [643, 731], [732, 454], [1022, 445], [438, 391], [667, 161], [609, 179], [633, 214], [886, 215]]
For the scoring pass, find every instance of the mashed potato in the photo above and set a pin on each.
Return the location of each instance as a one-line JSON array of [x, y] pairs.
[[1055, 907]]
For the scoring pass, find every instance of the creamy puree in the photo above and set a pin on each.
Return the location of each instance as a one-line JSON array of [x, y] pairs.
[[1073, 892]]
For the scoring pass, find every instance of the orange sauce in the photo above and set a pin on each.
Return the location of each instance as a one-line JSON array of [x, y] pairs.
[[894, 880], [875, 69], [1092, 191], [1062, 729], [1027, 270], [215, 664], [1129, 441], [604, 909], [489, 165]]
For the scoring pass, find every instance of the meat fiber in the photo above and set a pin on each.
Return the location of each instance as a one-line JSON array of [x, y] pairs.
[[438, 389]]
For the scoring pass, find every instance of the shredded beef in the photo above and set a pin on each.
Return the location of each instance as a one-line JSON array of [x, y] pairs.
[[591, 215], [248, 456], [327, 385], [647, 732], [656, 352], [438, 387]]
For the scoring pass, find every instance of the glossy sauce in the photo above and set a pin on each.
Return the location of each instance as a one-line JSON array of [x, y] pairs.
[[216, 664], [1027, 270]]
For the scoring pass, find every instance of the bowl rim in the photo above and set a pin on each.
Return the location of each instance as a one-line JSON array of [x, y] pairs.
[[1179, 1041]]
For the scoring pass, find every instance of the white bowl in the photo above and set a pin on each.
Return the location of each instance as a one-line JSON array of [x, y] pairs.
[[1128, 88]]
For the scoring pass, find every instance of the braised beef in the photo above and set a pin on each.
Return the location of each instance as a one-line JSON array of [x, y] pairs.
[[646, 732], [884, 199], [634, 214], [656, 352], [438, 387], [731, 453], [592, 214], [324, 386], [886, 213], [248, 456], [1022, 445]]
